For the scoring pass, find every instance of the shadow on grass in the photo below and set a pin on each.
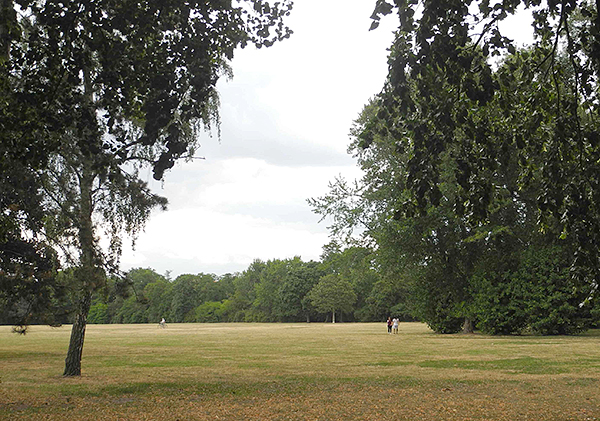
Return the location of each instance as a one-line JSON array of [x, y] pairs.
[[525, 365]]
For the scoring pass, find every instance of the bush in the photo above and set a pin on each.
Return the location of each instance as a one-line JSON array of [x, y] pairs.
[[499, 304], [539, 294], [437, 304]]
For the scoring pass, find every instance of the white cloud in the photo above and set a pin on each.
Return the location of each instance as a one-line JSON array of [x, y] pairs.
[[250, 209], [285, 122], [201, 240]]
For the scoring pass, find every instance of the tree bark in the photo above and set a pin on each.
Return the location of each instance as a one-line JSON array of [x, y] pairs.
[[87, 275], [73, 360], [468, 326]]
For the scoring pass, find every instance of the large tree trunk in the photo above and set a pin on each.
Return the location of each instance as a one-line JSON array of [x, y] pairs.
[[73, 360]]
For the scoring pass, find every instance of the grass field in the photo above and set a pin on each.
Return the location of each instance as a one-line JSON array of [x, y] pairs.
[[298, 372]]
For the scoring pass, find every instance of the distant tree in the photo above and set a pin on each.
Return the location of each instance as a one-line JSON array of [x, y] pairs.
[[159, 295], [132, 310], [99, 313], [301, 277], [332, 294], [186, 297], [357, 265], [239, 305], [265, 306], [388, 297], [226, 285], [209, 312], [139, 278]]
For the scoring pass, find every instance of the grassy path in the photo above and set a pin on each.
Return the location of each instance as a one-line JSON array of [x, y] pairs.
[[298, 372]]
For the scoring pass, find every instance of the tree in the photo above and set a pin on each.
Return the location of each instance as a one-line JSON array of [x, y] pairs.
[[356, 264], [301, 277], [428, 250], [435, 250], [436, 79], [332, 294], [107, 88], [159, 295], [282, 286], [238, 307], [264, 307], [209, 312]]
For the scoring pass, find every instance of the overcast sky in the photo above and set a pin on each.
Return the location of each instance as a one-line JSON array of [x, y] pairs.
[[285, 117]]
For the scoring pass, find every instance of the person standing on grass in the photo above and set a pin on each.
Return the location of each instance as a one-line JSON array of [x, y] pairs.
[[389, 324], [395, 325]]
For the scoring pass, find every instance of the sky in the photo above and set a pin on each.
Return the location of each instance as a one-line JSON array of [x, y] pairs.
[[285, 119]]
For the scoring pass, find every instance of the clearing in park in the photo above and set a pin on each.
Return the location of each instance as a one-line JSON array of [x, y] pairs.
[[298, 372]]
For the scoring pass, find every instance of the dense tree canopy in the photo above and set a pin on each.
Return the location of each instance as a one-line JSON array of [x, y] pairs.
[[438, 86]]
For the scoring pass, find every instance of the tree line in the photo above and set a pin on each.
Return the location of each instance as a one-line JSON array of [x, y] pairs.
[[341, 287], [525, 291]]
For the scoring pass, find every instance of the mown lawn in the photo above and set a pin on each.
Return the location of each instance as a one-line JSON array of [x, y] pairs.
[[298, 372]]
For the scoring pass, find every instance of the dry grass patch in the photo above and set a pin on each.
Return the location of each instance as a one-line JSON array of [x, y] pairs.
[[298, 372]]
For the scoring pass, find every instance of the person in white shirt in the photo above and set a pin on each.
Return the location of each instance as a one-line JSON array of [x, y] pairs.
[[395, 325]]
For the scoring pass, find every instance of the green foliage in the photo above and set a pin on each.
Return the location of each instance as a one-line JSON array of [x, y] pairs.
[[187, 292], [209, 312], [331, 294], [436, 303], [99, 313], [499, 304], [301, 278], [356, 264], [28, 264], [538, 293], [159, 297], [443, 92], [132, 311]]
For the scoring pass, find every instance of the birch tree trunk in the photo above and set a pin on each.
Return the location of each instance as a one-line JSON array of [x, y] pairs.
[[75, 352], [86, 275]]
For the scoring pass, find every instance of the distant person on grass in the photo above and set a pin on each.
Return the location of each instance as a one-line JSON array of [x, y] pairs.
[[162, 323], [395, 325], [389, 324]]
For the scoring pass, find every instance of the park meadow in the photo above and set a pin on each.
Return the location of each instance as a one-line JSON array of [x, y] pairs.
[[344, 371]]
